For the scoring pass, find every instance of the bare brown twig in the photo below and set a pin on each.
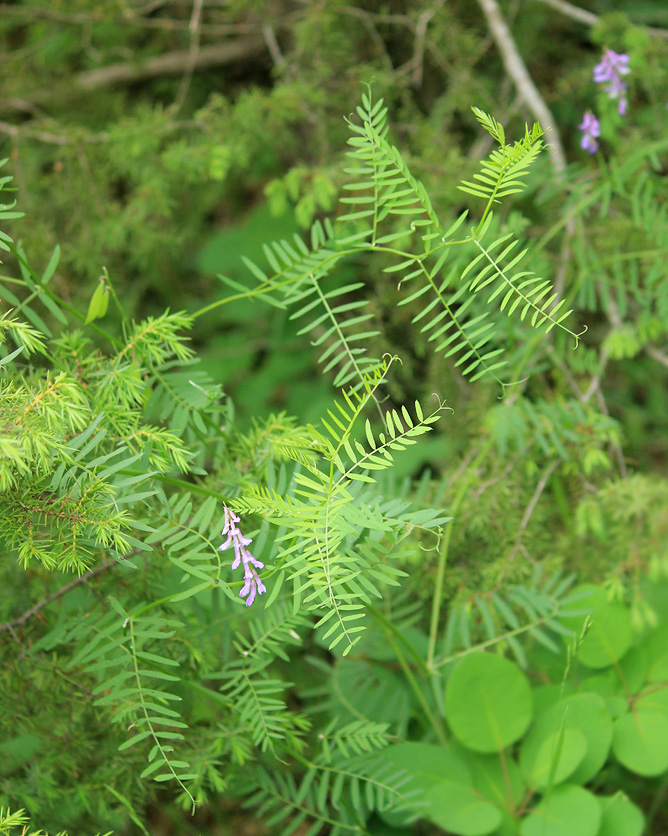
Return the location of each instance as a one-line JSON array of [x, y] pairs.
[[9, 626], [136, 19], [173, 63], [531, 507], [657, 354], [195, 28], [517, 70], [590, 19]]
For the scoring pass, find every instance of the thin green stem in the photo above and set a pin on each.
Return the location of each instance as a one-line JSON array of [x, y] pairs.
[[147, 716], [273, 284], [434, 721], [467, 479], [388, 626], [518, 631]]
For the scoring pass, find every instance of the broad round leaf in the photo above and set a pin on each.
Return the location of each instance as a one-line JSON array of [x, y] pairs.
[[488, 702], [428, 763], [656, 643], [608, 638], [632, 670], [425, 766], [621, 817], [448, 798], [610, 633], [567, 811], [585, 713], [545, 696], [604, 684], [659, 670], [461, 810], [558, 757], [617, 706], [500, 781], [509, 826], [654, 699], [640, 742]]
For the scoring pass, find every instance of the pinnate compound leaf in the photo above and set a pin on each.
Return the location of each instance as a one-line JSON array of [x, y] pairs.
[[488, 702]]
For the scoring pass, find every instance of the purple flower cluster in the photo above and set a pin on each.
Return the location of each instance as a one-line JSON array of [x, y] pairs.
[[253, 585], [612, 66], [592, 129]]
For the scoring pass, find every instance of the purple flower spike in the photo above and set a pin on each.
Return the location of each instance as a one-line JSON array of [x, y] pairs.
[[611, 67], [592, 129], [253, 585]]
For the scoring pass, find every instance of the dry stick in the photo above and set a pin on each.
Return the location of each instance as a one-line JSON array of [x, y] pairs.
[[272, 45], [531, 507], [44, 136], [596, 379], [530, 94], [26, 132], [619, 453], [172, 63], [574, 12], [517, 70], [193, 51], [134, 19], [420, 35], [21, 619], [590, 19], [657, 354], [368, 22]]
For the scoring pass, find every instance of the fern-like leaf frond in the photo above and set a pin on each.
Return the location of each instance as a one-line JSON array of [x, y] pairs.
[[500, 173]]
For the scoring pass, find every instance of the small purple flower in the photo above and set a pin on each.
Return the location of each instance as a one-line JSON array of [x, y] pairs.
[[253, 585], [591, 129], [611, 67], [612, 64]]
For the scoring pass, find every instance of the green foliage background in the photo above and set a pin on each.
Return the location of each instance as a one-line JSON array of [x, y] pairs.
[[166, 178]]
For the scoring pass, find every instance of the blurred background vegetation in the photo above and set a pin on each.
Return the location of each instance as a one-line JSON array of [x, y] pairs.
[[164, 139]]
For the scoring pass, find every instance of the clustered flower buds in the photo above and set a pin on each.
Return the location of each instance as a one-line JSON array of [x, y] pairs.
[[612, 66], [253, 585]]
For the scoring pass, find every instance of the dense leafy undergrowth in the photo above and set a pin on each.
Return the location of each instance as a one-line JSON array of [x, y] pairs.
[[422, 587]]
